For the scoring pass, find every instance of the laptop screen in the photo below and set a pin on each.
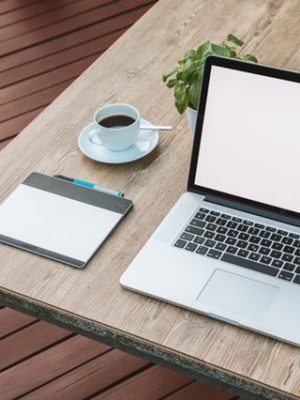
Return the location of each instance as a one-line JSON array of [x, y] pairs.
[[250, 138]]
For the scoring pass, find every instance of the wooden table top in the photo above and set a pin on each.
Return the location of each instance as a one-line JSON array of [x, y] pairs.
[[91, 300]]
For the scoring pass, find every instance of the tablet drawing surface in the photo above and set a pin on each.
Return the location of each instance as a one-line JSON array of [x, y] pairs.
[[58, 219]]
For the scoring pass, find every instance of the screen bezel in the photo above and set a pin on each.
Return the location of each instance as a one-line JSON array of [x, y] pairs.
[[257, 69]]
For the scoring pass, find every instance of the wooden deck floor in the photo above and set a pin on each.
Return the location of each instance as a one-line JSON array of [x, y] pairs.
[[44, 46]]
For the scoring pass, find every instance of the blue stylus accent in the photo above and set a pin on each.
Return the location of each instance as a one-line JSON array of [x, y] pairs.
[[83, 183]]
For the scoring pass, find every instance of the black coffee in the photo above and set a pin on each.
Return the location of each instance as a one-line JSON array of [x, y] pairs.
[[116, 121]]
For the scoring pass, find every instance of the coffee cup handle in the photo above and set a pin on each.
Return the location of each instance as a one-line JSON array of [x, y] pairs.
[[94, 139]]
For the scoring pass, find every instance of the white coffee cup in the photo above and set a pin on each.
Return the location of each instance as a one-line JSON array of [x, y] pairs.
[[116, 126]]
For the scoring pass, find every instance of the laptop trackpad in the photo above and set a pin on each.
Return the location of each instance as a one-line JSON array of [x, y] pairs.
[[237, 294]]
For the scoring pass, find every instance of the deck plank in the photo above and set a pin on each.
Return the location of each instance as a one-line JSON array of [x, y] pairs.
[[154, 383], [197, 391], [48, 365], [29, 341], [9, 5], [60, 28], [71, 39], [34, 9], [11, 321], [91, 377]]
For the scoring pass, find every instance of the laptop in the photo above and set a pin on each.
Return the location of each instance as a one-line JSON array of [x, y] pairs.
[[230, 246]]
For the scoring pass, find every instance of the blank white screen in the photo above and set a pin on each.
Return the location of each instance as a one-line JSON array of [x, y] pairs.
[[250, 144]]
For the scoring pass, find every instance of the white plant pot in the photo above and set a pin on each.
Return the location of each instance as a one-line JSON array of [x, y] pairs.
[[191, 115]]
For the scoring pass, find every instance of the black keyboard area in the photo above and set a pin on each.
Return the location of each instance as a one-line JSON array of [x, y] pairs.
[[244, 243]]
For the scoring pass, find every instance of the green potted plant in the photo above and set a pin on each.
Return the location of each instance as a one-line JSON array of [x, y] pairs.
[[185, 79]]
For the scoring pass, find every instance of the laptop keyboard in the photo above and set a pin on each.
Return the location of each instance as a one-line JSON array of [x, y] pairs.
[[244, 243]]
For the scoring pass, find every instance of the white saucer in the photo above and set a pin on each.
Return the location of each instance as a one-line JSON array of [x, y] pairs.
[[146, 142]]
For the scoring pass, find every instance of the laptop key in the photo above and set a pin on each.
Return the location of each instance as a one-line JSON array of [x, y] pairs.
[[220, 246], [221, 221], [220, 238], [231, 249], [193, 229], [296, 260], [209, 234], [277, 263], [281, 232], [266, 243], [275, 254], [298, 270], [209, 243], [215, 213], [296, 243], [277, 246], [204, 210], [260, 226], [232, 233], [287, 240], [230, 240], [211, 227], [297, 252], [246, 222], [294, 235], [200, 215], [246, 263], [287, 257], [243, 236], [266, 260], [297, 279], [231, 224], [287, 276], [243, 253], [254, 256], [210, 218], [275, 237], [214, 253], [186, 236], [199, 239], [253, 231], [242, 228], [225, 216], [222, 230], [202, 250], [190, 246], [289, 267], [198, 223], [288, 249], [180, 243], [242, 244], [270, 229], [254, 239], [252, 247], [264, 250], [265, 234], [236, 219]]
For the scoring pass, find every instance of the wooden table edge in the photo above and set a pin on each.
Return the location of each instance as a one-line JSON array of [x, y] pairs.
[[137, 346]]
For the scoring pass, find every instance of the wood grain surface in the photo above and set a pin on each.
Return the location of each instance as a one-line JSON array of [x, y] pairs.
[[130, 71]]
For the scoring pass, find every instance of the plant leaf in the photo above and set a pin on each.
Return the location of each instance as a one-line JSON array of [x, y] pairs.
[[193, 92], [167, 74], [204, 50], [220, 50], [249, 57], [233, 39], [171, 83], [190, 54]]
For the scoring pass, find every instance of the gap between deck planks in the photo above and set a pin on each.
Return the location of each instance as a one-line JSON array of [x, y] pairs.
[[44, 46]]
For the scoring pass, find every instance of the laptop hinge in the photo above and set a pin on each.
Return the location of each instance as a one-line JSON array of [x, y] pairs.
[[253, 210]]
